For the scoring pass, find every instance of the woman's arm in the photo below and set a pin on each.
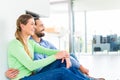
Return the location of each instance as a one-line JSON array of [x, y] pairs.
[[43, 50], [17, 54]]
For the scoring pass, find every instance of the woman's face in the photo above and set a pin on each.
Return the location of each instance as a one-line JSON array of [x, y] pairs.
[[29, 28]]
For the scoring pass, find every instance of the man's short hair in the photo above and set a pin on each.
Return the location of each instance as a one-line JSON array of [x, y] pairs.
[[35, 15]]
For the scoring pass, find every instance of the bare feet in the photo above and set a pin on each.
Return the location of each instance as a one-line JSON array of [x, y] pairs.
[[84, 70]]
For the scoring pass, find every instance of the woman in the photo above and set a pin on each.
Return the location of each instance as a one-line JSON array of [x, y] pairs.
[[20, 56]]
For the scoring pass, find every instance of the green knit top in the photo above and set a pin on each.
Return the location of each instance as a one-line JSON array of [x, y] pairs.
[[19, 59]]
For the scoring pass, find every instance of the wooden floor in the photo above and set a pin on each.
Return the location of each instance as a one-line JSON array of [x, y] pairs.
[[107, 66]]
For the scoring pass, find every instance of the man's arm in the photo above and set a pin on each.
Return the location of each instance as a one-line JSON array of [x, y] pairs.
[[11, 73]]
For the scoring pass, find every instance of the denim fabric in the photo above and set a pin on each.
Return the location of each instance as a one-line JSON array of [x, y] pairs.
[[58, 64], [54, 65], [74, 62], [55, 74]]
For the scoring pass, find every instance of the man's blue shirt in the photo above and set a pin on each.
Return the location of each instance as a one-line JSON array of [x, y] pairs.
[[45, 44]]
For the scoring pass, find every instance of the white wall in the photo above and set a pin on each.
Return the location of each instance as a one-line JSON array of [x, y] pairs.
[[10, 10]]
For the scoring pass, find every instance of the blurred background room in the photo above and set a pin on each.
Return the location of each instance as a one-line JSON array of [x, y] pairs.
[[87, 28]]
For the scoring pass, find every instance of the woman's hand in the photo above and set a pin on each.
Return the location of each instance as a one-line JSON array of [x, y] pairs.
[[61, 54], [68, 62], [11, 73], [65, 57]]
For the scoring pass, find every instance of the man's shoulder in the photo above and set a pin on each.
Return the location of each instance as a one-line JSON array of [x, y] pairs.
[[45, 42]]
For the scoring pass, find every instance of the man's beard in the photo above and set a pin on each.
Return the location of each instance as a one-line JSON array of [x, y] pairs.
[[40, 34]]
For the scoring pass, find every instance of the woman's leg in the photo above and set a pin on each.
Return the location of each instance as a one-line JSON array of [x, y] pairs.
[[58, 64], [56, 74], [54, 65], [74, 68]]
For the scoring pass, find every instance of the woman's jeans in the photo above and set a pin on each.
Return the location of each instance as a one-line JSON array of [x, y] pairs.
[[57, 71], [55, 74], [58, 64]]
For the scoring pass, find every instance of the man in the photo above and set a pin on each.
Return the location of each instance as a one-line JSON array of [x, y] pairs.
[[37, 37]]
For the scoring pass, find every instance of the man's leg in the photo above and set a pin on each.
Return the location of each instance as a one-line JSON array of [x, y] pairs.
[[76, 64], [79, 73], [73, 55]]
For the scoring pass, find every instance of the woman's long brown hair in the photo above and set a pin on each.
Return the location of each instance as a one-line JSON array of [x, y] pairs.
[[23, 19]]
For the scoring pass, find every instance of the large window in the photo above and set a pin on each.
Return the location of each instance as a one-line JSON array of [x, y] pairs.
[[101, 27], [95, 31]]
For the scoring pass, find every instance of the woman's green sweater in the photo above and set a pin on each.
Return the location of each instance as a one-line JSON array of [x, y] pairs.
[[19, 59]]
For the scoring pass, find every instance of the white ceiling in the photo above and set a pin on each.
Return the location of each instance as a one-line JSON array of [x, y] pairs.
[[58, 6], [57, 1], [87, 5]]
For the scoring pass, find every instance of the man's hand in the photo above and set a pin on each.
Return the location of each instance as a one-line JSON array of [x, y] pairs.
[[11, 73]]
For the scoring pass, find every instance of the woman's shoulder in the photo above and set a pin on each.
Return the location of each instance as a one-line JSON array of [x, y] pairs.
[[31, 41], [14, 42]]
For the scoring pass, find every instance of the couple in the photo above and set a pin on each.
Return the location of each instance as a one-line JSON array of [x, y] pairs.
[[23, 59]]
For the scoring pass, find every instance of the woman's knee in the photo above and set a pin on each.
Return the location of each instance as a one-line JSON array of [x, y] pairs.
[[64, 70]]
